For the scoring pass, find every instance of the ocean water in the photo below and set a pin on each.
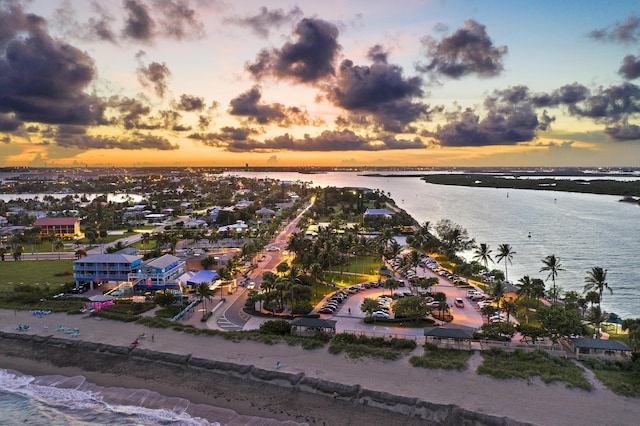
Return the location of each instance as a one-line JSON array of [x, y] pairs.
[[582, 230], [72, 401]]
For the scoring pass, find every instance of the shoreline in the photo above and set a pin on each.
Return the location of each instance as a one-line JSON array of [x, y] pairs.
[[245, 389], [303, 386]]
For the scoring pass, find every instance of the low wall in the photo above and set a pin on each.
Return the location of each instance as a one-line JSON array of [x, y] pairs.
[[91, 356]]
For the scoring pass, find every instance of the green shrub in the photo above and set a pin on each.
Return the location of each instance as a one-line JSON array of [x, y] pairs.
[[525, 365], [277, 327]]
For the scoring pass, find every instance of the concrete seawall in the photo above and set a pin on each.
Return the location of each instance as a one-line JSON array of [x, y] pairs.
[[90, 356]]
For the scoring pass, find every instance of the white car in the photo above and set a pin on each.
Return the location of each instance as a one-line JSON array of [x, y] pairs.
[[251, 285], [380, 314], [498, 318]]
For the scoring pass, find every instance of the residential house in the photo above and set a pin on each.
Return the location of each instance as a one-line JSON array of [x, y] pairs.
[[96, 268], [158, 274], [59, 227]]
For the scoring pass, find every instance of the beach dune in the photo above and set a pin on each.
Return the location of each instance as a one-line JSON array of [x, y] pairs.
[[311, 387]]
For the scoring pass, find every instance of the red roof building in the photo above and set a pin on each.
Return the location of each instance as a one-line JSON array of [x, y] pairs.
[[59, 227]]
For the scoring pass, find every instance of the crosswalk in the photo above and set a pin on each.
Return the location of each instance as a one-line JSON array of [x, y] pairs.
[[224, 324]]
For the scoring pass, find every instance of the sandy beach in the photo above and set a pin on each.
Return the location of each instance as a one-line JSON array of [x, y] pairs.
[[503, 401]]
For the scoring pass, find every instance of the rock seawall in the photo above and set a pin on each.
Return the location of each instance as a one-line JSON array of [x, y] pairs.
[[136, 362]]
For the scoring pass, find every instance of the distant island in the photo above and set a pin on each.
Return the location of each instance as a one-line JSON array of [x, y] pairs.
[[630, 190], [595, 186]]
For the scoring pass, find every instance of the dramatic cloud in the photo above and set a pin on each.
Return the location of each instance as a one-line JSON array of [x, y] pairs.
[[566, 95], [329, 140], [614, 104], [190, 103], [627, 31], [467, 51], [131, 112], [307, 60], [139, 25], [379, 90], [8, 123], [248, 105], [630, 68], [42, 79], [225, 136], [138, 142], [154, 75], [262, 23], [510, 119], [179, 20], [628, 132]]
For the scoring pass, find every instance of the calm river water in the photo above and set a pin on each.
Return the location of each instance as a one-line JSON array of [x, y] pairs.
[[583, 230]]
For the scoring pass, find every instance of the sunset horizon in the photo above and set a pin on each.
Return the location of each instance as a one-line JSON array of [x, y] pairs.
[[208, 83]]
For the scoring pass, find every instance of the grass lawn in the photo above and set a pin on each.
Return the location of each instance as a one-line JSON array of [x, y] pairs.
[[35, 272], [447, 359], [523, 365]]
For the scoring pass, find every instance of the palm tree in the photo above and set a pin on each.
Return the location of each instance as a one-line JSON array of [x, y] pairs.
[[145, 239], [553, 265], [596, 279], [204, 292], [483, 254], [509, 308], [505, 252], [530, 289], [316, 275], [596, 316], [58, 245]]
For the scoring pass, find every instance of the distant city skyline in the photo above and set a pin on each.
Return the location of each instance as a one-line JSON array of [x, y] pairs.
[[334, 83]]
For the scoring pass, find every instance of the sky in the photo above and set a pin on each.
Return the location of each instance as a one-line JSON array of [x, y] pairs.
[[224, 83]]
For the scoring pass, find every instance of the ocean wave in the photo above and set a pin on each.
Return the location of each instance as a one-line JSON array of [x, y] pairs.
[[73, 400]]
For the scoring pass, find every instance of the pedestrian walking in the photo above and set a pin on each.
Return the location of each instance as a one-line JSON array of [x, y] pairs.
[[153, 337]]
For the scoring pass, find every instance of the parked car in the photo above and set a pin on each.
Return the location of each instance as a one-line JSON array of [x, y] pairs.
[[459, 302], [380, 314], [326, 310]]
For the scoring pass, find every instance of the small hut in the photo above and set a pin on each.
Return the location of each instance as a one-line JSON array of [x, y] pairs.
[[309, 326]]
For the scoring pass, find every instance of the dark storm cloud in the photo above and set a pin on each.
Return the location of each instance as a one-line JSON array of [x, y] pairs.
[[226, 135], [154, 75], [329, 140], [139, 25], [132, 112], [308, 59], [248, 105], [379, 90], [179, 19], [190, 103], [627, 31], [467, 51], [630, 68], [626, 132], [612, 104], [42, 79], [9, 123], [568, 94], [510, 119], [266, 19], [135, 142]]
